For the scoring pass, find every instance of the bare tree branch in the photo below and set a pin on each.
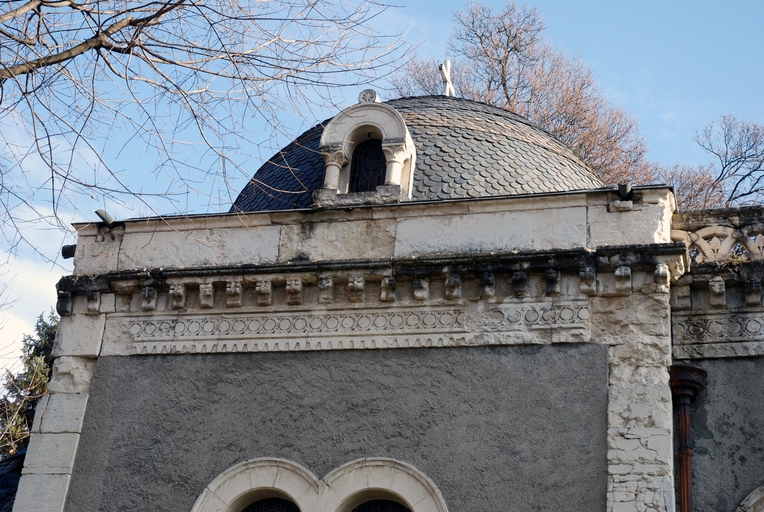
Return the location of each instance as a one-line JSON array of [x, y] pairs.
[[91, 91], [502, 59]]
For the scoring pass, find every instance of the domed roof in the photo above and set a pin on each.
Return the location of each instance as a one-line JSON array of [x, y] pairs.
[[465, 149]]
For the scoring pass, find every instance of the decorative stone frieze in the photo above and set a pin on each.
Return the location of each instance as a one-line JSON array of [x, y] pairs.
[[520, 284], [477, 323], [148, 298], [294, 291], [325, 290], [387, 289], [177, 295], [453, 287], [264, 293], [486, 286], [356, 289], [206, 295], [709, 334], [421, 288], [233, 291]]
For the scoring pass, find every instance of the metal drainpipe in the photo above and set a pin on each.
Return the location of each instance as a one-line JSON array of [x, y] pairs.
[[687, 381]]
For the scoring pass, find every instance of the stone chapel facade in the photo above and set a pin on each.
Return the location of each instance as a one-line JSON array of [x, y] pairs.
[[423, 305]]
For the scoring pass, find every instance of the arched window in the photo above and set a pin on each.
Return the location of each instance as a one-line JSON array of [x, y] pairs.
[[368, 166], [380, 506], [272, 505]]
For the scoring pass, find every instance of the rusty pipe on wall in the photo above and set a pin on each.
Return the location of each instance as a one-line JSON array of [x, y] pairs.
[[687, 381]]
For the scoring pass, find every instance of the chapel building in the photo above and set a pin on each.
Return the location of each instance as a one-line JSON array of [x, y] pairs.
[[421, 305]]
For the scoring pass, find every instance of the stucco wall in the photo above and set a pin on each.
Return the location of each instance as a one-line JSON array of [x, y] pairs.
[[727, 421], [496, 428]]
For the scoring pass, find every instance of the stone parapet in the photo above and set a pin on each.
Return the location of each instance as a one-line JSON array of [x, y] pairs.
[[584, 220], [717, 305]]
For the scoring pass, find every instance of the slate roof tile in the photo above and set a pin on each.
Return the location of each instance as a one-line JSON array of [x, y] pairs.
[[464, 149]]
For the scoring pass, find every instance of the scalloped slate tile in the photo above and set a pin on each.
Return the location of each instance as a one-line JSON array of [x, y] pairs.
[[464, 149]]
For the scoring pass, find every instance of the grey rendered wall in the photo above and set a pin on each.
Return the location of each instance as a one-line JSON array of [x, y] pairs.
[[728, 434], [496, 428]]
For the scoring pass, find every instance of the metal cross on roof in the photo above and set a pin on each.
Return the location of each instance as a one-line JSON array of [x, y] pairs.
[[445, 74]]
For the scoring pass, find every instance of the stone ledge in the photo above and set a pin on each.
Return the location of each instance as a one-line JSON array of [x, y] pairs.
[[719, 350], [51, 454], [60, 413], [41, 493]]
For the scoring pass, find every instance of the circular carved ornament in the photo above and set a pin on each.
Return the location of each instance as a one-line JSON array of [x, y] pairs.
[[368, 96]]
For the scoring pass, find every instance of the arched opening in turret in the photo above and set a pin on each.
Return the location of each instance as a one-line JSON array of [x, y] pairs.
[[367, 167]]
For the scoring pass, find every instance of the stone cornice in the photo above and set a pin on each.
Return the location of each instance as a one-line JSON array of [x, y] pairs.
[[604, 259]]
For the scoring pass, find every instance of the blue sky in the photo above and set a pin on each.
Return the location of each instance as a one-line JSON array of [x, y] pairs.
[[674, 66]]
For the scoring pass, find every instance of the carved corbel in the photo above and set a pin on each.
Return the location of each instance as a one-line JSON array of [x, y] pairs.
[[294, 291], [263, 290], [206, 295], [552, 278], [487, 286], [662, 277], [325, 290], [520, 284], [623, 280], [421, 288], [64, 303], [588, 279], [334, 160], [753, 292], [387, 293], [94, 302], [148, 298], [356, 287], [453, 286], [233, 290], [178, 296], [680, 297], [717, 292]]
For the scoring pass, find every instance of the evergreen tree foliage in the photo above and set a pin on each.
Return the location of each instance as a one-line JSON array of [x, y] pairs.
[[24, 389]]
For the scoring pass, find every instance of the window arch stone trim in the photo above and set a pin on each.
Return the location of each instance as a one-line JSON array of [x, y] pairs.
[[384, 478], [260, 478], [355, 124], [754, 502], [339, 491]]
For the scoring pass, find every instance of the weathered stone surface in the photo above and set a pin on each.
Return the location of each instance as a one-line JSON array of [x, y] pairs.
[[41, 493], [542, 229], [79, 335], [51, 453], [649, 222], [401, 326], [528, 423], [337, 241], [95, 254], [640, 454], [72, 375], [201, 247], [61, 413]]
